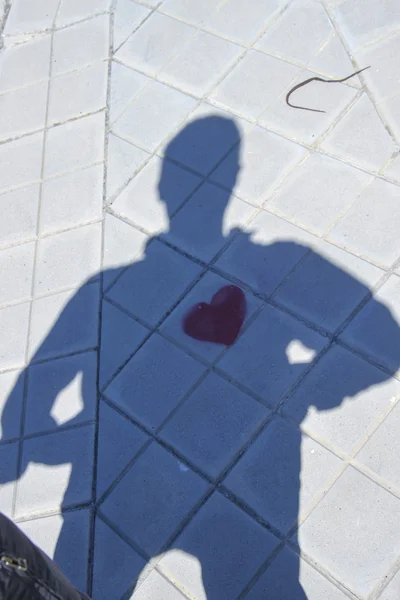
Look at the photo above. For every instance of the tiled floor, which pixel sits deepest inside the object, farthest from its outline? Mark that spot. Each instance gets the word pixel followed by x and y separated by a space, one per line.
pixel 147 159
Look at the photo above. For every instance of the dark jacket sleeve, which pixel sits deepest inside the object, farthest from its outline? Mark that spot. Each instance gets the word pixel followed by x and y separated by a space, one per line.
pixel 27 573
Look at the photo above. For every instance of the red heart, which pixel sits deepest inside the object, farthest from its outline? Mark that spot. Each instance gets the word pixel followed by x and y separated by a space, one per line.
pixel 221 320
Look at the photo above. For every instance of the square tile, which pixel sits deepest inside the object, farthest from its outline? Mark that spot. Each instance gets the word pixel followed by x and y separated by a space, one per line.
pixel 23 111
pixel 287 37
pixel 19 214
pixel 203 291
pixel 265 252
pixel 360 137
pixel 202 62
pixel 75 10
pixel 14 322
pixel 233 20
pixel 268 357
pixel 356 541
pixel 264 160
pixel 72 199
pixel 155 194
pixel 290 577
pixel 90 91
pixel 30 15
pixel 153 116
pixel 21 161
pixel 370 227
pixel 8 476
pixel 154 381
pixel 381 78
pixel 208 221
pixel 156 587
pixel 65 323
pixel 123 245
pixel 81 44
pixel 318 192
pixel 153 44
pixel 161 277
pixel 126 84
pixel 16 268
pixel 201 551
pixel 378 454
pixel 112 554
pixel 304 126
pixel 66 539
pixel 360 25
pixel 206 139
pixel 375 330
pixel 327 286
pixel 56 471
pixel 254 83
pixel 123 161
pixel 11 392
pixel 74 145
pixel 61 392
pixel 128 16
pixel 68 259
pixel 120 337
pixel 213 425
pixel 165 494
pixel 267 477
pixel 26 63
pixel 119 442
pixel 341 398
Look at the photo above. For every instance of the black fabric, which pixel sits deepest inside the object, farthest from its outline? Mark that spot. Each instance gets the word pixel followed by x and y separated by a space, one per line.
pixel 40 580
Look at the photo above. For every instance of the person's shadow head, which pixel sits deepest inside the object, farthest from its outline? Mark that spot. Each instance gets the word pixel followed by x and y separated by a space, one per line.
pixel 201 147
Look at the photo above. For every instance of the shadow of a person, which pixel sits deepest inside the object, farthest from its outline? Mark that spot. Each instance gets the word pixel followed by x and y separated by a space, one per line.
pixel 268 359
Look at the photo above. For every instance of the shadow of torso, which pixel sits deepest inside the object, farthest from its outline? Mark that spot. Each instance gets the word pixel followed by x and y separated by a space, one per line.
pixel 225 543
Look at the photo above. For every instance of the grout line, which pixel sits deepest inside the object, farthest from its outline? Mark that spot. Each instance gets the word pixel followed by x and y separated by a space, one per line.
pixel 378 40
pixel 26 36
pixel 301 556
pixel 116 49
pixel 54 292
pixel 174 584
pixel 44 79
pixel 91 555
pixel 123 536
pixel 40 514
pixel 48 128
pixel 264 566
pixel 25 373
pixel 153 9
pixel 349 593
pixel 343 113
pixel 59 429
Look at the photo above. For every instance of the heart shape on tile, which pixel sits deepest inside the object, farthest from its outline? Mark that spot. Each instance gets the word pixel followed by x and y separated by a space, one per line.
pixel 221 320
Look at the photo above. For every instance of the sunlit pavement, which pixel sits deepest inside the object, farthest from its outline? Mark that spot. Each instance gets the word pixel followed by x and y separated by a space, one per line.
pixel 148 158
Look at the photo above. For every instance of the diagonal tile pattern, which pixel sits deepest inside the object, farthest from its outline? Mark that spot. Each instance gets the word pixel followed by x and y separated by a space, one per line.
pixel 147 159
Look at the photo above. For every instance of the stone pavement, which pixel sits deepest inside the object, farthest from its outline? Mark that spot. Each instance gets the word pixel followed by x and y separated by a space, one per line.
pixel 147 159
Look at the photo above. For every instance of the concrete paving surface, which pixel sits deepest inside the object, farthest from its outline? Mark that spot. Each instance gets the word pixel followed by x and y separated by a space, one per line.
pixel 148 158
